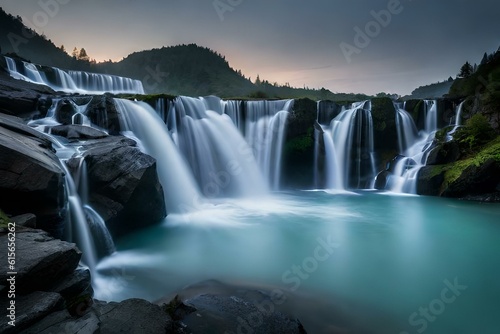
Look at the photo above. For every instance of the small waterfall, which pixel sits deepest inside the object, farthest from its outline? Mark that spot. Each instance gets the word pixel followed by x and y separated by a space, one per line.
pixel 413 146
pixel 179 186
pixel 221 161
pixel 73 81
pixel 234 110
pixel 79 231
pixel 430 116
pixel 458 119
pixel 349 147
pixel 265 133
pixel 407 130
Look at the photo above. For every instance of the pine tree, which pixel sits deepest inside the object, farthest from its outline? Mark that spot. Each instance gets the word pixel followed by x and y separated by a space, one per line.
pixel 74 54
pixel 466 70
pixel 83 55
pixel 485 59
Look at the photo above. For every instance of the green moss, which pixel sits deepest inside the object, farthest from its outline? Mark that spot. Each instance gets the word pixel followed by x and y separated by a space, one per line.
pixel 4 220
pixel 300 144
pixel 489 151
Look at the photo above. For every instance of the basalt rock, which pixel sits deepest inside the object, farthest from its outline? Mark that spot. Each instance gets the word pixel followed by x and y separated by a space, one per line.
pixel 123 184
pixel 31 179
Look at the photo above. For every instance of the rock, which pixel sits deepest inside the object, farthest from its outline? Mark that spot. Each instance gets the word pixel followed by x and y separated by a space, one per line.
pixel 40 260
pixel 327 110
pixel 65 111
pixel 29 309
pixel 476 180
pixel 20 98
pixel 382 179
pixel 133 316
pixel 102 112
pixel 385 133
pixel 444 153
pixel 430 180
pixel 31 179
pixel 123 184
pixel 216 307
pixel 77 132
pixel 62 322
pixel 222 314
pixel 25 220
pixel 76 289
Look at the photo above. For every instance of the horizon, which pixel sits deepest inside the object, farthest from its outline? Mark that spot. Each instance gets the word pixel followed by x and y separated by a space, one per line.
pixel 382 49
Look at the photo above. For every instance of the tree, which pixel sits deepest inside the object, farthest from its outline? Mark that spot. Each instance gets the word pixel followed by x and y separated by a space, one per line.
pixel 63 49
pixel 485 59
pixel 83 55
pixel 466 70
pixel 74 54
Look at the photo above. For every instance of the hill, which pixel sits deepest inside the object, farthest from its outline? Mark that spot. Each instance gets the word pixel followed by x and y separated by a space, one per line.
pixel 178 70
pixel 432 91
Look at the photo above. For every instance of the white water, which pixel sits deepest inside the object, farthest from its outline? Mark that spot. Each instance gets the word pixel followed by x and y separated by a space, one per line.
pixel 220 159
pixel 341 143
pixel 458 119
pixel 405 176
pixel 265 133
pixel 180 189
pixel 74 81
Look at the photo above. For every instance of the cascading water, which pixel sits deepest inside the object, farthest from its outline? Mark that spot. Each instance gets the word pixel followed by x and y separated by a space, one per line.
pixel 458 119
pixel 349 147
pixel 407 130
pixel 220 159
pixel 430 116
pixel 413 147
pixel 173 172
pixel 265 133
pixel 73 81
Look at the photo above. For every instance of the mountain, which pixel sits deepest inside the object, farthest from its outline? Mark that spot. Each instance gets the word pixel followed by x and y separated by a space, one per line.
pixel 432 91
pixel 178 70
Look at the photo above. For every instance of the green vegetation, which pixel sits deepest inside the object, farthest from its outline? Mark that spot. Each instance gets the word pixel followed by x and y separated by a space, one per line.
pixel 300 144
pixel 4 220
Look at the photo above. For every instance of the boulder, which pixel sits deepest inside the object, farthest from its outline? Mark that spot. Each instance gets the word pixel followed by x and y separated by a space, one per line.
pixel 40 260
pixel 475 180
pixel 20 98
pixel 77 132
pixel 29 309
pixel 31 178
pixel 430 180
pixel 123 184
pixel 102 112
pixel 129 316
pixel 444 153
pixel 65 110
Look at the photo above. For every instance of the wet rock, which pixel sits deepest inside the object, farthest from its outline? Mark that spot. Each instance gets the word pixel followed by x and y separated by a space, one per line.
pixel 77 132
pixel 123 184
pixel 29 309
pixel 31 179
pixel 40 260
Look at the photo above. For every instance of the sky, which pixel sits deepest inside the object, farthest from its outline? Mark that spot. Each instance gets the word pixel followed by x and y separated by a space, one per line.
pixel 360 46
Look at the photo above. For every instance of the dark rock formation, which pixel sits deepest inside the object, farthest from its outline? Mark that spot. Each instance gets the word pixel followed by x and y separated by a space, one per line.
pixel 102 112
pixel 31 179
pixel 77 132
pixel 123 184
pixel 21 98
pixel 430 180
pixel 65 110
pixel 475 180
pixel 444 153
pixel 40 260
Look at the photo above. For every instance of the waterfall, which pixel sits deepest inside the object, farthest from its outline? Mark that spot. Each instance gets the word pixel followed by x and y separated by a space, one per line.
pixel 458 119
pixel 265 133
pixel 349 147
pixel 179 186
pixel 221 161
pixel 234 110
pixel 414 146
pixel 73 81
pixel 407 130
pixel 430 112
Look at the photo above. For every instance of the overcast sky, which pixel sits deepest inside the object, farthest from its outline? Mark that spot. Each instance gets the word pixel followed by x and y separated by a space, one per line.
pixel 295 41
